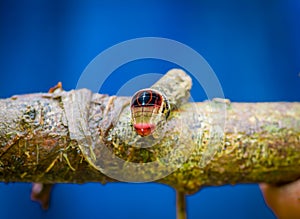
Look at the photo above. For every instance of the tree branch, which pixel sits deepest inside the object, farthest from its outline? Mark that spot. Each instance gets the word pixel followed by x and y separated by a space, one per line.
pixel 78 137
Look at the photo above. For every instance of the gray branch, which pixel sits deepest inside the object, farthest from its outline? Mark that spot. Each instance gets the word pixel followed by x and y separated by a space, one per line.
pixel 79 136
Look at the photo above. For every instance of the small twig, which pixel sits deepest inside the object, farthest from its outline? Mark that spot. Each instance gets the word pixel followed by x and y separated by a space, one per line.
pixel 41 193
pixel 180 205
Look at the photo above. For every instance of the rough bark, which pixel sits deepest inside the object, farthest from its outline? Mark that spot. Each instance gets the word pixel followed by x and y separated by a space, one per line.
pixel 44 138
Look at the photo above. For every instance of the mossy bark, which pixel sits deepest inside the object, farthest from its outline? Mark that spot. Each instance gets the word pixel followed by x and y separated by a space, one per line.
pixel 258 142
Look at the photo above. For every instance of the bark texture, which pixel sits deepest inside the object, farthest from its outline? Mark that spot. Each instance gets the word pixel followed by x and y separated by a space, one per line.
pixel 78 137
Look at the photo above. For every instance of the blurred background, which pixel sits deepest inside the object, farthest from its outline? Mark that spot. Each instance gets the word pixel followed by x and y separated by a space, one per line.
pixel 253 47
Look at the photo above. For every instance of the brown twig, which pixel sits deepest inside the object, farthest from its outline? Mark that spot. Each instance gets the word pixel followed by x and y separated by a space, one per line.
pixel 181 205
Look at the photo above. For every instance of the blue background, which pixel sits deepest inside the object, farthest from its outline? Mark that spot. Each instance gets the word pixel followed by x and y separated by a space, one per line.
pixel 253 47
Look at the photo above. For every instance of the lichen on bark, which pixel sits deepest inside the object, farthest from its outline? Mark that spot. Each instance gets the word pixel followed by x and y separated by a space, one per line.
pixel 68 137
